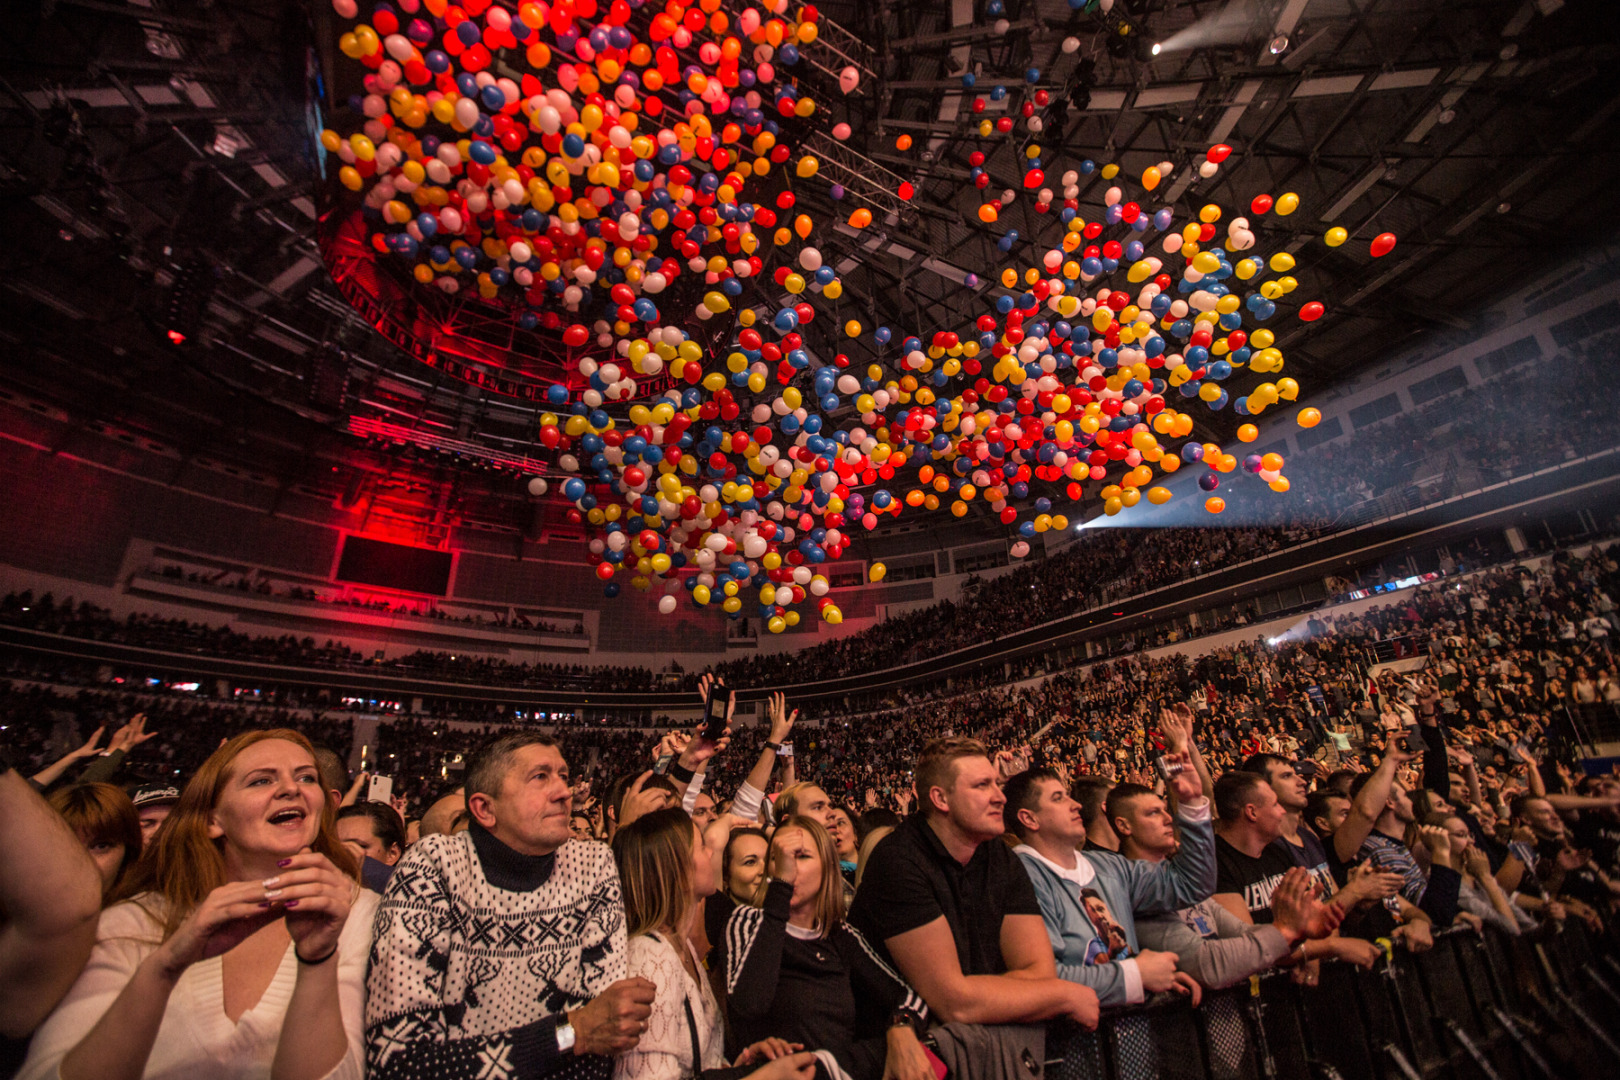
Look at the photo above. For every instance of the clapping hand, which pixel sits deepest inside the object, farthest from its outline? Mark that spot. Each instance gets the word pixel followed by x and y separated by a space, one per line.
pixel 321 894
pixel 1176 725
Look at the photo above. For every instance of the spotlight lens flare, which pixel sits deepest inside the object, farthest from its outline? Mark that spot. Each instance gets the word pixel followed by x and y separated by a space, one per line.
pixel 1157 48
pixel 1279 44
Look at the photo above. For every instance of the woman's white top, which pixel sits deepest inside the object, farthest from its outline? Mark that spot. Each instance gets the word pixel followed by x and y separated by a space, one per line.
pixel 196 1040
pixel 665 1049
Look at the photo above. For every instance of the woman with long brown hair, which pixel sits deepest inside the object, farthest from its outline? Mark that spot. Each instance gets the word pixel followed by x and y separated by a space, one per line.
pixel 667 871
pixel 242 921
pixel 796 970
pixel 105 821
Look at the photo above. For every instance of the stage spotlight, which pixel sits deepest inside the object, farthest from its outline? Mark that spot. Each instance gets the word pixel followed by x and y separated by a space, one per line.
pixel 1157 48
pixel 1279 44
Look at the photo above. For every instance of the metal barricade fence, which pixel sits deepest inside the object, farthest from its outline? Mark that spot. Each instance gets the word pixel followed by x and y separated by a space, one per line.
pixel 1541 1006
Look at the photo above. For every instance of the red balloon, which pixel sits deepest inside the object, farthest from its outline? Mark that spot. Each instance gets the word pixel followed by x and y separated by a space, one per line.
pixel 1219 153
pixel 1261 204
pixel 1312 311
pixel 604 570
pixel 1383 244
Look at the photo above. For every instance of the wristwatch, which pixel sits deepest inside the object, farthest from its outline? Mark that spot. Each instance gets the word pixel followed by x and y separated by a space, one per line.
pixel 905 1018
pixel 565 1037
pixel 774 747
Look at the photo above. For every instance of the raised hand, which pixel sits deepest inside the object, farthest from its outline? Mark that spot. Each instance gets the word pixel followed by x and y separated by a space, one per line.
pixel 1185 784
pixel 1438 841
pixel 91 747
pixel 784 867
pixel 1176 725
pixel 781 721
pixel 131 734
pixel 639 800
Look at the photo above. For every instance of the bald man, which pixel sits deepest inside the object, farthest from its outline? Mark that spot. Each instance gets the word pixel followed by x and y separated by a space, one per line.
pixel 441 816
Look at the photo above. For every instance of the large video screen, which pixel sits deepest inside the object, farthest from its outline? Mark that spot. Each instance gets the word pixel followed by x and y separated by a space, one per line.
pixel 394 566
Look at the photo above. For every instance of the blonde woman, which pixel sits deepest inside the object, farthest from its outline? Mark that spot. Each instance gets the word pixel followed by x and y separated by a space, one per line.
pixel 667 872
pixel 795 970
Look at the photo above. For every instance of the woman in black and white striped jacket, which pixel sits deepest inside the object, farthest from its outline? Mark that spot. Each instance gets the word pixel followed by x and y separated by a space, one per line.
pixel 795 970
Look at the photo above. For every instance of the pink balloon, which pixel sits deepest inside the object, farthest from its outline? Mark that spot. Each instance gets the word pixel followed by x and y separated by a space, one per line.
pixel 841 132
pixel 748 21
pixel 849 79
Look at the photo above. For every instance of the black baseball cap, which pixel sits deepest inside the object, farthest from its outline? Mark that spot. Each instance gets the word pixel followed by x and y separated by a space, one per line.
pixel 155 795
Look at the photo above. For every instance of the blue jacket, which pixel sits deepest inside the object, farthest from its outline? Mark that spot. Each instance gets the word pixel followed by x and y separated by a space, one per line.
pixel 1129 887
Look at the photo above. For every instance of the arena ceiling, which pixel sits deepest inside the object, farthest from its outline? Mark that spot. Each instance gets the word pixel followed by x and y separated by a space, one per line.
pixel 158 167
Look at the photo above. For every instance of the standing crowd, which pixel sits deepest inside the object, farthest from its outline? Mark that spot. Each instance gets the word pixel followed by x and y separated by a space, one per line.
pixel 682 917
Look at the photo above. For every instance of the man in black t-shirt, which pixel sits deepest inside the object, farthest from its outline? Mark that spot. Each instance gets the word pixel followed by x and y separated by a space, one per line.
pixel 1299 843
pixel 1249 862
pixel 952 907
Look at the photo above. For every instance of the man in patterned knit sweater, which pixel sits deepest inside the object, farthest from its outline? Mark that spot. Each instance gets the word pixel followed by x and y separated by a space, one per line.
pixel 499 953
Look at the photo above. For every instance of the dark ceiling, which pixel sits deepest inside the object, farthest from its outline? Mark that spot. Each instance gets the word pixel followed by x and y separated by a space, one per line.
pixel 181 183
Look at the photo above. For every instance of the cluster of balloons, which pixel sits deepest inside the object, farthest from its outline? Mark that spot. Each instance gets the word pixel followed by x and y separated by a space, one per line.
pixel 640 151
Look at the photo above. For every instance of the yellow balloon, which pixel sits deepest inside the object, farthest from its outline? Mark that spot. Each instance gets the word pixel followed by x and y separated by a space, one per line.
pixel 876 571
pixel 1287 203
pixel 1336 236
pixel 1158 496
pixel 1309 418
pixel 807 167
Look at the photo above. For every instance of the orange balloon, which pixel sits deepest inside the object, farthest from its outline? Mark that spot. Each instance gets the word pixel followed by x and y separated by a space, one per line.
pixel 1214 504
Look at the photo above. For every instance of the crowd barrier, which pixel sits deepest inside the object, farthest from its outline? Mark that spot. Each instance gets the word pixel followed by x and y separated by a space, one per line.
pixel 1543 1006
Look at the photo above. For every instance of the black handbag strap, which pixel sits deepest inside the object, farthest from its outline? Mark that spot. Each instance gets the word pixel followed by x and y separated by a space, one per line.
pixel 692 1030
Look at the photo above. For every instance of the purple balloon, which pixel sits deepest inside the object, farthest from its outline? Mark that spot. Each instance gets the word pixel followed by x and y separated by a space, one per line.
pixel 837 191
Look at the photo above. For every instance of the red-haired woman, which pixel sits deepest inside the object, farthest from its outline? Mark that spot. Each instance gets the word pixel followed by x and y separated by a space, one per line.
pixel 105 821
pixel 244 922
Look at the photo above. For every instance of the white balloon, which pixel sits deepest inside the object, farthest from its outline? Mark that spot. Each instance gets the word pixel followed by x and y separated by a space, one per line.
pixel 666 604
pixel 537 486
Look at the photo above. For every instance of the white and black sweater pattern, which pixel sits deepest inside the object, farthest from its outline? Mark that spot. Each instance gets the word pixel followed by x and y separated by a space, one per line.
pixel 469 979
